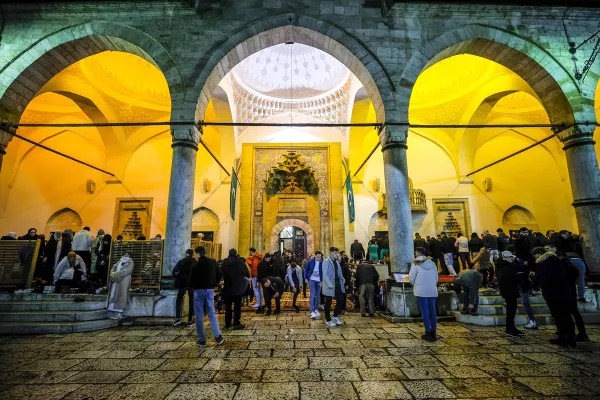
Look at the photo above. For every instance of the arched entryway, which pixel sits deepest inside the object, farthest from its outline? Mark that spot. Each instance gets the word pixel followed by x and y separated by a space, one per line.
pixel 292 238
pixel 298 225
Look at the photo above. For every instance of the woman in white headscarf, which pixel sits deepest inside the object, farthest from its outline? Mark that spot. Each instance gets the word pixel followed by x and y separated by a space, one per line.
pixel 96 248
pixel 120 283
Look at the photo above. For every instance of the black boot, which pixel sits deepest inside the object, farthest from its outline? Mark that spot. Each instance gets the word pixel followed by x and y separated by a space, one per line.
pixel 434 335
pixel 427 337
pixel 268 312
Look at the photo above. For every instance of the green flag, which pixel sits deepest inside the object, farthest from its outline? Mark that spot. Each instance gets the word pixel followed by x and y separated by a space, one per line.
pixel 233 193
pixel 350 196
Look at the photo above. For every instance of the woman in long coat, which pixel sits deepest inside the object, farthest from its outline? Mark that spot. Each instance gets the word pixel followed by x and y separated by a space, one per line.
pixel 120 283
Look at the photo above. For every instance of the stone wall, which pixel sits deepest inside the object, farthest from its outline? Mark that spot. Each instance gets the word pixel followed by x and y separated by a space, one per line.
pixel 393 49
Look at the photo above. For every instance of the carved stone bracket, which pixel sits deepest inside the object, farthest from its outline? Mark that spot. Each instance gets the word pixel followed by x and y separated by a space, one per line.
pixel 188 136
pixel 393 136
pixel 577 136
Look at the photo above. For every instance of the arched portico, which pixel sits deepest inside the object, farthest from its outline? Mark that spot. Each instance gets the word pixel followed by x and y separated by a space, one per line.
pixel 310 234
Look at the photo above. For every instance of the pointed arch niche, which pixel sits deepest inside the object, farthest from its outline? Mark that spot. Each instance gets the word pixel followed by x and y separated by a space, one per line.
pixel 63 219
pixel 205 220
pixel 516 217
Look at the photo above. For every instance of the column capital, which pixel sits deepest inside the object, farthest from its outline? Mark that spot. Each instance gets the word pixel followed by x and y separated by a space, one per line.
pixel 186 135
pixel 578 135
pixel 393 136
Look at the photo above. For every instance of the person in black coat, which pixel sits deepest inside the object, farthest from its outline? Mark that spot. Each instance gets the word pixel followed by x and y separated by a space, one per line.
pixel 181 273
pixel 510 273
pixel 357 251
pixel 475 244
pixel 551 276
pixel 448 252
pixel 503 240
pixel 236 278
pixel 274 287
pixel 523 249
pixel 278 268
pixel 435 248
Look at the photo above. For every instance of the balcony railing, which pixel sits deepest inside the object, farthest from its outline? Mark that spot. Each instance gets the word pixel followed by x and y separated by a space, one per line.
pixel 417 200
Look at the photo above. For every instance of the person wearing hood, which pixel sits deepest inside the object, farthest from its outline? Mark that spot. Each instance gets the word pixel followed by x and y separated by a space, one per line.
pixel 550 274
pixel 253 261
pixel 510 274
pixel 120 283
pixel 95 244
pixel 31 235
pixel 367 279
pixel 424 277
pixel 181 273
pixel 470 281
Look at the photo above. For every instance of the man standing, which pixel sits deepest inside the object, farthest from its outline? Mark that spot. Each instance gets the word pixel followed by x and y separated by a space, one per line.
pixel 462 245
pixel 435 247
pixel 503 240
pixel 419 241
pixel 313 275
pixel 523 253
pixel 181 273
pixel 510 275
pixel 253 261
pixel 333 286
pixel 205 275
pixel 357 251
pixel 82 245
pixel 491 242
pixel 235 277
pixel 367 279
pixel 447 251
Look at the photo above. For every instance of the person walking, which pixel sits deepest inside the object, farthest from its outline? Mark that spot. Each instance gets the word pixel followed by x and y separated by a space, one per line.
pixel 423 276
pixel 253 261
pixel 295 280
pixel 274 288
pixel 181 273
pixel 462 246
pixel 357 251
pixel 447 251
pixel 552 278
pixel 510 273
pixel 485 265
pixel 367 279
pixel 470 281
pixel 333 286
pixel 235 282
pixel 204 276
pixel 313 274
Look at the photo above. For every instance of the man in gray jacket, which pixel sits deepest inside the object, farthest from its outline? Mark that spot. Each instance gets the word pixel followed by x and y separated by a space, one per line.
pixel 333 286
pixel 470 280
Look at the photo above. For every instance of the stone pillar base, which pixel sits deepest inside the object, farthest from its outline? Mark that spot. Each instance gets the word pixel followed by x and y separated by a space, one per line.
pixel 162 305
pixel 404 303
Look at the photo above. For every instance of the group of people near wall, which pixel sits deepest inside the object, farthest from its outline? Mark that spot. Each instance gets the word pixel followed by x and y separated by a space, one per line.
pixel 524 267
pixel 377 250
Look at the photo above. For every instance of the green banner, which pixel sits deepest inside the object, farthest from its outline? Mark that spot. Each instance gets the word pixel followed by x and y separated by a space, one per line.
pixel 350 196
pixel 233 193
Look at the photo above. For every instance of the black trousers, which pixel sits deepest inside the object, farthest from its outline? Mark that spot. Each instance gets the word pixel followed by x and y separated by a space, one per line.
pixel 339 300
pixel 180 293
pixel 561 313
pixel 440 258
pixel 235 303
pixel 304 288
pixel 511 311
pixel 577 317
pixel 465 259
pixel 487 274
pixel 269 294
pixel 63 286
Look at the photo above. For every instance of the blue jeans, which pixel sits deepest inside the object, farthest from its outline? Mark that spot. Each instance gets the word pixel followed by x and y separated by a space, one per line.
pixel 202 297
pixel 527 304
pixel 580 265
pixel 427 306
pixel 467 298
pixel 315 295
pixel 257 293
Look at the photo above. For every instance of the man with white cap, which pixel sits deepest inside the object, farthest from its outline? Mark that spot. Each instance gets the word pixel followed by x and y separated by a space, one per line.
pixel 510 274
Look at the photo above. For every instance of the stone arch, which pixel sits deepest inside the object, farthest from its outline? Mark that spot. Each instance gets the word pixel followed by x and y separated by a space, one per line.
pixel 35 66
pixel 205 219
pixel 517 216
pixel 310 234
pixel 556 88
pixel 272 30
pixel 63 219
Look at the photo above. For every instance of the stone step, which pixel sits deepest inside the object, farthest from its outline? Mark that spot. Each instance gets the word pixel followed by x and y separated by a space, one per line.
pixel 520 319
pixel 539 299
pixel 18 306
pixel 540 308
pixel 53 316
pixel 11 297
pixel 35 328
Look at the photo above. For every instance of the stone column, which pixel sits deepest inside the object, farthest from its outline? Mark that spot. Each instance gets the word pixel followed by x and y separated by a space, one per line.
pixel 585 185
pixel 5 137
pixel 181 195
pixel 395 169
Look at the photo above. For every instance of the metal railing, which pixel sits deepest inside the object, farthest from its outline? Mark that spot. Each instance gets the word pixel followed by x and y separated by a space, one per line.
pixel 417 200
pixel 18 259
pixel 147 256
pixel 213 250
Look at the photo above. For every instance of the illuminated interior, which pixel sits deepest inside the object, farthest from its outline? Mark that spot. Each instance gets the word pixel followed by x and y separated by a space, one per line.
pixel 116 86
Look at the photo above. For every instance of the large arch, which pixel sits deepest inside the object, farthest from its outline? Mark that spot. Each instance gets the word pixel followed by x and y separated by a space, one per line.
pixel 557 89
pixel 310 233
pixel 33 68
pixel 290 27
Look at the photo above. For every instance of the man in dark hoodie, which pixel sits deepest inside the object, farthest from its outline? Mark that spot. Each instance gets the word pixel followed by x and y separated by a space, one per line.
pixel 265 268
pixel 274 287
pixel 181 273
pixel 550 274
pixel 491 242
pixel 236 280
pixel 503 241
pixel 510 274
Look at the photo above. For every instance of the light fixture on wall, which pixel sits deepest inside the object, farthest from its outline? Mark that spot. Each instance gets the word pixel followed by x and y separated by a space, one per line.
pixel 91 186
pixel 487 184
pixel 376 185
pixel 205 185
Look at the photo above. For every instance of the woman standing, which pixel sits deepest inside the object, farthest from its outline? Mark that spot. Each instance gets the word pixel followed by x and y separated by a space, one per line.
pixel 424 277
pixel 120 282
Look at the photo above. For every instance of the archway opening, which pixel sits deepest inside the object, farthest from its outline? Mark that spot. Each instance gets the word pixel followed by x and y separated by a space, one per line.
pixel 293 239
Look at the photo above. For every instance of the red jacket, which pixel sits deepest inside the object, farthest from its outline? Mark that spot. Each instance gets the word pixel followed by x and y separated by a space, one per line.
pixel 253 262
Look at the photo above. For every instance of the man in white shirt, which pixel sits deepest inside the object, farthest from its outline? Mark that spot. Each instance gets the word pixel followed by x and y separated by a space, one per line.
pixel 82 245
pixel 70 271
pixel 462 244
pixel 312 273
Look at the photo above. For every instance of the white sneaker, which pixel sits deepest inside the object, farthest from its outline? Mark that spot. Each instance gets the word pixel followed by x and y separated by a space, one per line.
pixel 317 313
pixel 330 324
pixel 337 321
pixel 531 325
pixel 256 305
pixel 321 308
pixel 313 315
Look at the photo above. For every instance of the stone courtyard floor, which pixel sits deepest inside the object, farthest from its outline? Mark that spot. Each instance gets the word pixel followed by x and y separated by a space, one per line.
pixel 289 357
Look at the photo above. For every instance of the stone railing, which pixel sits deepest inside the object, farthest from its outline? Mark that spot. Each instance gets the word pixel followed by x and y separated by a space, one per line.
pixel 417 200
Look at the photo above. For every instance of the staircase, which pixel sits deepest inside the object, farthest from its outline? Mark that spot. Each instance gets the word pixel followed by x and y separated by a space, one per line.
pixel 53 313
pixel 492 311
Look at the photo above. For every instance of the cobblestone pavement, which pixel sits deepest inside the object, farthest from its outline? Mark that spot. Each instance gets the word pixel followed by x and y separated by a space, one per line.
pixel 289 357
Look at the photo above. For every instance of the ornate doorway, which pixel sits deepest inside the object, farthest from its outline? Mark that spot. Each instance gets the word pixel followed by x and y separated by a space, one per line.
pixel 292 227
pixel 293 239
